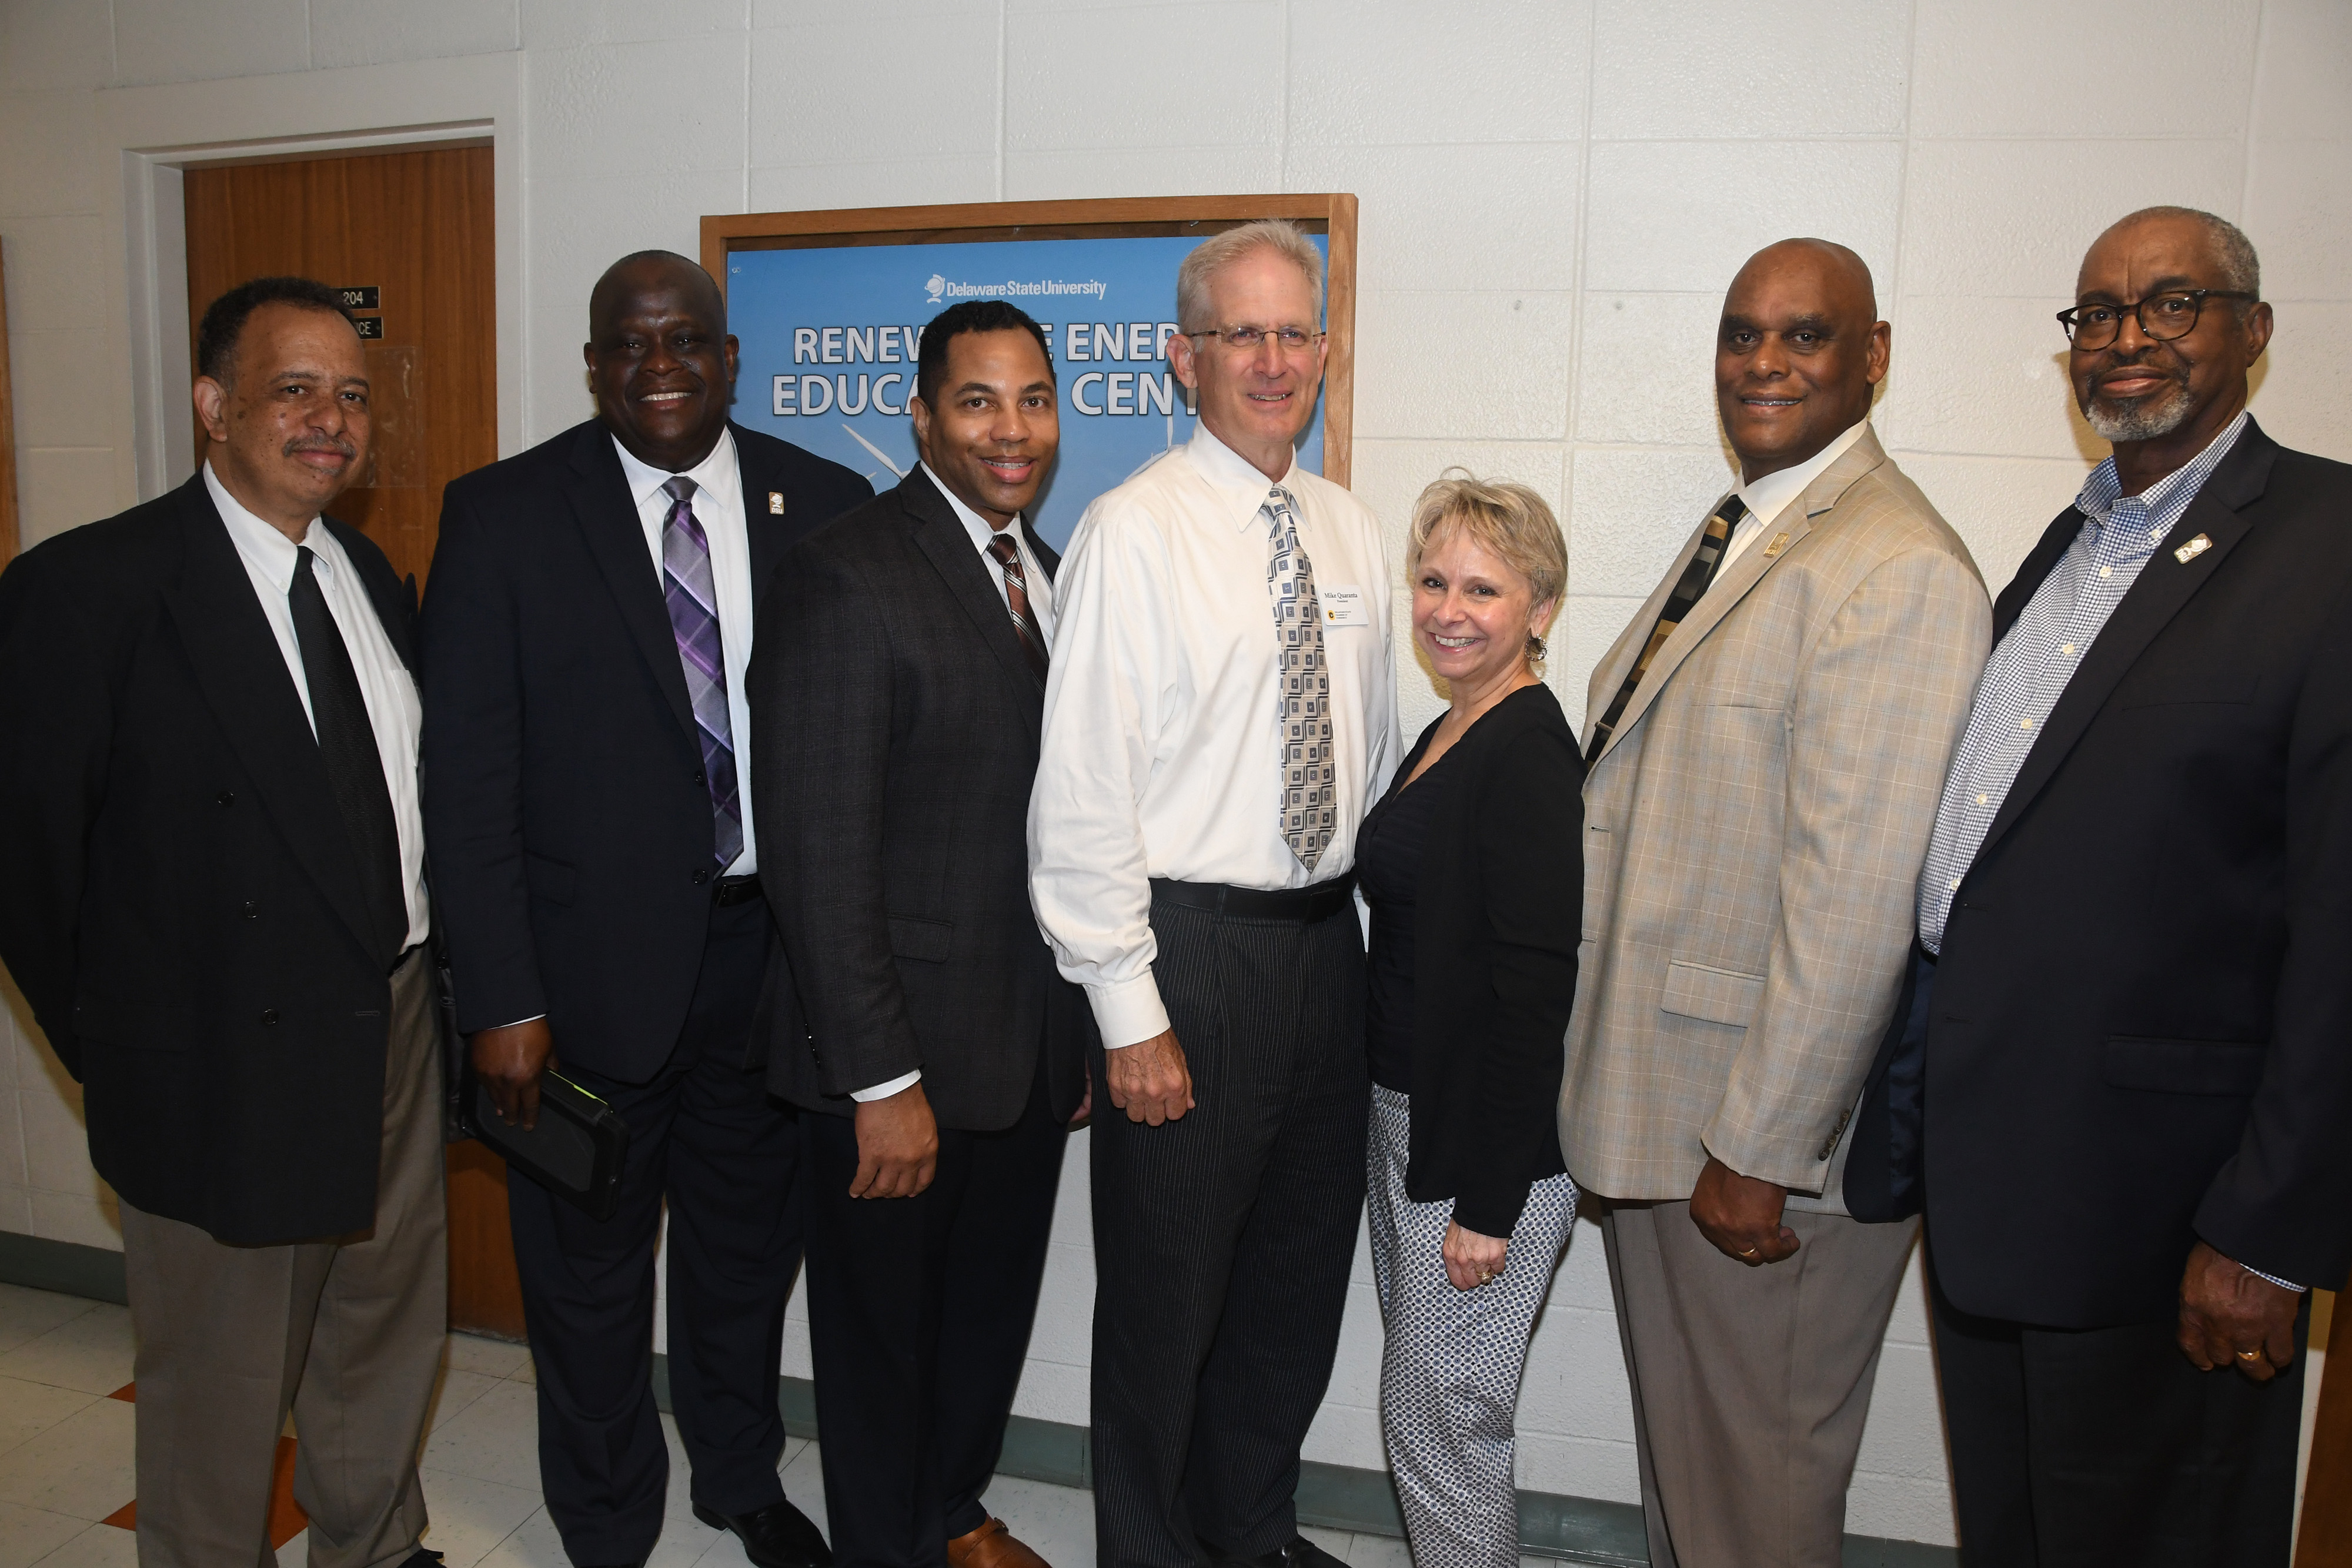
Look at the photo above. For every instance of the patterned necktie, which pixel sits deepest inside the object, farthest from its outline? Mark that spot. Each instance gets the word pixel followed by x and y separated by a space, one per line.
pixel 1695 580
pixel 693 602
pixel 1016 599
pixel 354 766
pixel 1310 792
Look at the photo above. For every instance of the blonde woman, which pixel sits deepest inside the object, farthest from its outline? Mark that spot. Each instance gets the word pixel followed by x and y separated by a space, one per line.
pixel 1472 866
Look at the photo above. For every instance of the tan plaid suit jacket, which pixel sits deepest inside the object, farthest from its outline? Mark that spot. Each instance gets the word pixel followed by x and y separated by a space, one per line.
pixel 1754 833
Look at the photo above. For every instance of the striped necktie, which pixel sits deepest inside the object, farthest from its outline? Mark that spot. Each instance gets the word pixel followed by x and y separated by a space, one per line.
pixel 1016 599
pixel 693 601
pixel 1695 580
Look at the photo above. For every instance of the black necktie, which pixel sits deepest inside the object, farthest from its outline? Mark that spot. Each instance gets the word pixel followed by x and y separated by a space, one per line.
pixel 1697 578
pixel 354 768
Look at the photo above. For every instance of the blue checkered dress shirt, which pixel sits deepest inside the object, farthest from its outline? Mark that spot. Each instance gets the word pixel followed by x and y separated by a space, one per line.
pixel 2029 667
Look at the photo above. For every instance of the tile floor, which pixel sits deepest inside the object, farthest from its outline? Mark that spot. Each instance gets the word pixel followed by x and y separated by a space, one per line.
pixel 66 1461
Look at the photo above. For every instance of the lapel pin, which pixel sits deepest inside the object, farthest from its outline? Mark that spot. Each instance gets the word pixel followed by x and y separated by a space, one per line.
pixel 2192 550
pixel 1780 542
pixel 775 503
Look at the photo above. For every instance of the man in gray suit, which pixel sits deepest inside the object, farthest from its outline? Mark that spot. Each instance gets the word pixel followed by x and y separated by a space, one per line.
pixel 1766 744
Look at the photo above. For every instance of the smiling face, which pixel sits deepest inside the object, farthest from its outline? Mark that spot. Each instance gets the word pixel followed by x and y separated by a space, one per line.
pixel 1472 612
pixel 660 360
pixel 1797 352
pixel 289 428
pixel 2181 391
pixel 992 436
pixel 1255 401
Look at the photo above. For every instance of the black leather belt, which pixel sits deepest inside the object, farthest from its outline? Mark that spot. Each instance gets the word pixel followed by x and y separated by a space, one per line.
pixel 734 889
pixel 1303 905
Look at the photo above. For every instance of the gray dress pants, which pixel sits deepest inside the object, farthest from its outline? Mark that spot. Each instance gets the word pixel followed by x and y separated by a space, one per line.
pixel 346 1334
pixel 1750 1384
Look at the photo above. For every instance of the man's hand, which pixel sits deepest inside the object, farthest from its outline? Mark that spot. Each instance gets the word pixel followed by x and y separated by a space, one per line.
pixel 898 1145
pixel 2226 1313
pixel 1472 1260
pixel 1741 1215
pixel 1149 1080
pixel 1086 1110
pixel 509 1060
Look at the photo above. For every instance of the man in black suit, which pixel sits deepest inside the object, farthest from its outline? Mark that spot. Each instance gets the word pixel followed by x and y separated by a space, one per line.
pixel 585 640
pixel 899 689
pixel 2120 1080
pixel 212 893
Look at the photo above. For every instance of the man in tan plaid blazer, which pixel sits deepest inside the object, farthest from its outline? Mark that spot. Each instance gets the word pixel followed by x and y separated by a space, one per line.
pixel 1766 743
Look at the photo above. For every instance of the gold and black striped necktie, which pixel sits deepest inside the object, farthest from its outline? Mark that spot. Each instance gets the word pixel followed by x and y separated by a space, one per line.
pixel 1695 580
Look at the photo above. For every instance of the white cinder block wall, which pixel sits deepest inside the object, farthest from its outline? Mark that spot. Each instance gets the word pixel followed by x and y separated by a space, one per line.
pixel 1555 193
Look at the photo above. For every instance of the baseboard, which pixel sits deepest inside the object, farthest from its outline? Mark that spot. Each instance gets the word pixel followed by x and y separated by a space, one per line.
pixel 1341 1497
pixel 68 1267
pixel 1334 1497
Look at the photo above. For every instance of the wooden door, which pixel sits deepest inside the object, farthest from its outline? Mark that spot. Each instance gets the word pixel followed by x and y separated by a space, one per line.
pixel 416 228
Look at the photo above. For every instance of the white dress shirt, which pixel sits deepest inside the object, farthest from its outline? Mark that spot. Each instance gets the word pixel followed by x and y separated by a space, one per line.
pixel 1162 753
pixel 1768 498
pixel 387 688
pixel 1034 582
pixel 719 508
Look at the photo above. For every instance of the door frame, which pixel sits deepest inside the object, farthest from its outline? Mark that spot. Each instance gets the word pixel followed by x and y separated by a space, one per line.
pixel 153 134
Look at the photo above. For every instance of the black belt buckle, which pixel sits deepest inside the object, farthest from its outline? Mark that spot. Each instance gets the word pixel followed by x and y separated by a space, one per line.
pixel 731 891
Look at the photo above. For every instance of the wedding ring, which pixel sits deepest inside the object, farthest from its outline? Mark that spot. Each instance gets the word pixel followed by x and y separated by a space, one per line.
pixel 2248 1355
pixel 1749 1253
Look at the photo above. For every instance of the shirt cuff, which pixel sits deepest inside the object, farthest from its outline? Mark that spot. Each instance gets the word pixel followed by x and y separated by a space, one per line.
pixel 1128 1012
pixel 884 1090
pixel 2273 1278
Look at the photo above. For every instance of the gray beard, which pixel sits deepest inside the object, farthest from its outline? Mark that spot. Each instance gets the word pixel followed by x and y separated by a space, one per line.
pixel 2143 421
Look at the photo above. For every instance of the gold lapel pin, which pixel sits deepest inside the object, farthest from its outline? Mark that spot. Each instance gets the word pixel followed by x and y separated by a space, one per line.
pixel 775 503
pixel 2192 550
pixel 1780 542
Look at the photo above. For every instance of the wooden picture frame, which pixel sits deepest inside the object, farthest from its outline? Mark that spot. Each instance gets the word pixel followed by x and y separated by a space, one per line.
pixel 1329 213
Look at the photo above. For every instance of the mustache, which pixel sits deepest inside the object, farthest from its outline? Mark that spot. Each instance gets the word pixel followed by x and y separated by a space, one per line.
pixel 2152 357
pixel 335 444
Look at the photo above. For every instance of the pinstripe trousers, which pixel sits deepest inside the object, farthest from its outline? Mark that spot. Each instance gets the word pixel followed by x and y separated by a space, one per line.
pixel 1223 1240
pixel 1449 1369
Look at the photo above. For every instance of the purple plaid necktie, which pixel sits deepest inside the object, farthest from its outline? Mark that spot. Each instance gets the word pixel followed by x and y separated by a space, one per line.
pixel 693 619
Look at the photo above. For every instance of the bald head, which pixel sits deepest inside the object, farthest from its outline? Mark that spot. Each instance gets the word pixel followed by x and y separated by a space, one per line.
pixel 1799 349
pixel 659 357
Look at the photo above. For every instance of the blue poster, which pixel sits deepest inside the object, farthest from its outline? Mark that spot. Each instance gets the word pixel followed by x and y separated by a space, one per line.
pixel 829 339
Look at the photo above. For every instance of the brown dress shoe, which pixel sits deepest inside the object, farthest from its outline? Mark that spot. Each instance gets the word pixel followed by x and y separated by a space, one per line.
pixel 993 1546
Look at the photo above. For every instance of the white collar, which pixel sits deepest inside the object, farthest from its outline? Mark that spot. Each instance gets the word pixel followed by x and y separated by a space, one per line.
pixel 260 543
pixel 1768 498
pixel 1234 475
pixel 981 530
pixel 717 472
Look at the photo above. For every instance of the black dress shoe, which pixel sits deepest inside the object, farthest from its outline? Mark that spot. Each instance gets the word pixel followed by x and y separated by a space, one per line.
pixel 1300 1554
pixel 777 1536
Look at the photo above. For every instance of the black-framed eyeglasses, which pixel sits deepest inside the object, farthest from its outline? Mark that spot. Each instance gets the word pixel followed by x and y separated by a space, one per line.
pixel 2162 317
pixel 1293 340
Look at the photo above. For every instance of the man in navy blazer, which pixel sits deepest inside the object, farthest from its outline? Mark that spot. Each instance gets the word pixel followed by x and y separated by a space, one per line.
pixel 587 750
pixel 2120 1081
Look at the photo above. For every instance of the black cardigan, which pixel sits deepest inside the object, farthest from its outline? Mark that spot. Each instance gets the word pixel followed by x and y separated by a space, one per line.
pixel 1497 916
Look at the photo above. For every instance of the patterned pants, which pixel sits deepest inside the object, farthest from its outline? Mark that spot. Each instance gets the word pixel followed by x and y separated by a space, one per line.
pixel 1450 1374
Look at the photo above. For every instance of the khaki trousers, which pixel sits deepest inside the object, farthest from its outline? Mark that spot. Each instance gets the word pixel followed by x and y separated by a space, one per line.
pixel 346 1334
pixel 1750 1384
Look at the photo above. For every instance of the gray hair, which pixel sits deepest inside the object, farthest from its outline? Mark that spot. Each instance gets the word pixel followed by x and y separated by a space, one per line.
pixel 1220 250
pixel 2240 269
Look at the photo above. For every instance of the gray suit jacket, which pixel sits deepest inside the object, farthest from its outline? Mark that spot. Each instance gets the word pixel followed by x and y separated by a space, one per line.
pixel 1753 836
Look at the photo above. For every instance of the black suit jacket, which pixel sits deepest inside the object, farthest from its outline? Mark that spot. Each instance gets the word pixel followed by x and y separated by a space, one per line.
pixel 179 900
pixel 895 745
pixel 2140 1032
pixel 1497 918
pixel 568 821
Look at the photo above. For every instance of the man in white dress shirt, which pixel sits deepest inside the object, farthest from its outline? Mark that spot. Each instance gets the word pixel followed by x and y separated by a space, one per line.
pixel 1220 715
pixel 215 902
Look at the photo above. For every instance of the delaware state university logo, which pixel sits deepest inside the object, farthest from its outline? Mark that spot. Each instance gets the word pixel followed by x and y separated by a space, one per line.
pixel 936 285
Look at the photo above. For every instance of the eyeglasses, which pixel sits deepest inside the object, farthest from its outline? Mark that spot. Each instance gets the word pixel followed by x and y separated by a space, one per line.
pixel 2162 317
pixel 1294 340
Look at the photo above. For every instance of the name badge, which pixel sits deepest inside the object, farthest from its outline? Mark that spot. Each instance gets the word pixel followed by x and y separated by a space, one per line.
pixel 1343 605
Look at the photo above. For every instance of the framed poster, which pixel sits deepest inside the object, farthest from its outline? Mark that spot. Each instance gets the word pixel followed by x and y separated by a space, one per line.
pixel 828 308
